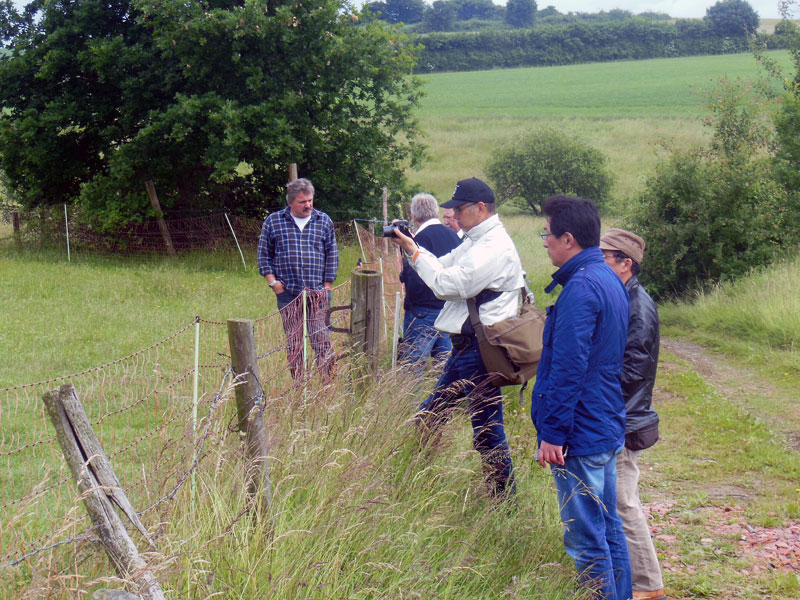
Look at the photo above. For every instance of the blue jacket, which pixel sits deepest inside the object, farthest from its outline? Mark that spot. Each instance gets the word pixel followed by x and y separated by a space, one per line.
pixel 577 400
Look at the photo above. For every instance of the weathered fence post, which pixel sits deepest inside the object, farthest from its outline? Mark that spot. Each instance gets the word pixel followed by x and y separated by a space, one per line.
pixel 100 489
pixel 385 202
pixel 365 321
pixel 292 171
pixel 162 225
pixel 250 407
pixel 15 222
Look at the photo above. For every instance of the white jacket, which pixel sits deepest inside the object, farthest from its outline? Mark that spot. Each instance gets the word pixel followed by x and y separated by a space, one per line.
pixel 486 259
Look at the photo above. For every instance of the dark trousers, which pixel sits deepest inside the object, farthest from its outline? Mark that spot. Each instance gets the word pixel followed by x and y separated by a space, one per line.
pixel 291 309
pixel 465 376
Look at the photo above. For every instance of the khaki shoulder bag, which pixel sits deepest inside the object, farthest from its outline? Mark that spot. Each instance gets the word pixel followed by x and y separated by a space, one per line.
pixel 510 349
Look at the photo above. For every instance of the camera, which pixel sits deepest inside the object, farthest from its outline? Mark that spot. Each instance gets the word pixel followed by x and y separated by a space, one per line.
pixel 401 226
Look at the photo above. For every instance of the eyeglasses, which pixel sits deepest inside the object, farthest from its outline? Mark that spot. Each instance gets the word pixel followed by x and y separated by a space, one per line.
pixel 546 235
pixel 459 209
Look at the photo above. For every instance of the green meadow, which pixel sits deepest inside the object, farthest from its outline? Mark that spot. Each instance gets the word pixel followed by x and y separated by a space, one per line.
pixel 628 110
pixel 361 509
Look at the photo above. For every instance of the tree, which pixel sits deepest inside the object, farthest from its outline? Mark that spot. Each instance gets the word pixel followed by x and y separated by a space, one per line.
pixel 440 16
pixel 403 11
pixel 544 162
pixel 521 13
pixel 732 18
pixel 548 11
pixel 474 9
pixel 211 100
pixel 713 214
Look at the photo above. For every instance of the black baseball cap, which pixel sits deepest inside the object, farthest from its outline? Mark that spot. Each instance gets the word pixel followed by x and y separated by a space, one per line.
pixel 470 190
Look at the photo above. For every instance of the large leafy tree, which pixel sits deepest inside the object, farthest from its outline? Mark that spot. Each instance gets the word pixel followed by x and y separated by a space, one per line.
pixel 441 16
pixel 521 13
pixel 732 17
pixel 210 99
pixel 399 11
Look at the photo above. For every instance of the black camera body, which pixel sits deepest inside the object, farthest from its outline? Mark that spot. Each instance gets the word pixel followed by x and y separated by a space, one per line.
pixel 401 226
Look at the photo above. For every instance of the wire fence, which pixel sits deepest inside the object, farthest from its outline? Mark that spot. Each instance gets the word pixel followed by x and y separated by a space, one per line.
pixel 154 427
pixel 205 233
pixel 160 411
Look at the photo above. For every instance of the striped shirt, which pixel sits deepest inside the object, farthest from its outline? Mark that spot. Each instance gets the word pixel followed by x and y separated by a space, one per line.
pixel 299 259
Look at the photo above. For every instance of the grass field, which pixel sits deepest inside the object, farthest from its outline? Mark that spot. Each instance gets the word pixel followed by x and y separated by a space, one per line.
pixel 359 511
pixel 625 109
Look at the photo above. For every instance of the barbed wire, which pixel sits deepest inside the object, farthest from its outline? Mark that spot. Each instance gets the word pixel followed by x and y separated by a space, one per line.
pixel 129 385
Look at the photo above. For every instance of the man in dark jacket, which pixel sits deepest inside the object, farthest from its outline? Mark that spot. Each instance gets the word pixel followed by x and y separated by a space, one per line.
pixel 623 252
pixel 577 404
pixel 420 338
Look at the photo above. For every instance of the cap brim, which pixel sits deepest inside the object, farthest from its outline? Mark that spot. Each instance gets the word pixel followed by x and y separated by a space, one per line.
pixel 453 203
pixel 606 246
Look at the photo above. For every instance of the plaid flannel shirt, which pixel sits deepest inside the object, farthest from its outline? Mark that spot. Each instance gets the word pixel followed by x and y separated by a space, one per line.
pixel 299 259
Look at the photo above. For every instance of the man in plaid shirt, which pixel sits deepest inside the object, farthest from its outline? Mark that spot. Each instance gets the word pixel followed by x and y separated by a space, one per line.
pixel 297 251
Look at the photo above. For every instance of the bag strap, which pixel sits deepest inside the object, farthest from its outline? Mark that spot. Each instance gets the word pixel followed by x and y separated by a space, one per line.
pixel 474 316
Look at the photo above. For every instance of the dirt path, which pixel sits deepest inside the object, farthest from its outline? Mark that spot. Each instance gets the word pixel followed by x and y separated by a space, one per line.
pixel 764 548
pixel 778 408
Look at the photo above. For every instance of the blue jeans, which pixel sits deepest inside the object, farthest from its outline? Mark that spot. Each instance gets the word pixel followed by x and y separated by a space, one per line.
pixel 465 376
pixel 593 536
pixel 421 339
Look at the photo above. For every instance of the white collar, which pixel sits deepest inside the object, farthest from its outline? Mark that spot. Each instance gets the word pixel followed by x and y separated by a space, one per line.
pixel 428 223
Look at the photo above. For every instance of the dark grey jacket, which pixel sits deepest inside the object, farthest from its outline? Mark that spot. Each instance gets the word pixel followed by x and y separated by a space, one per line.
pixel 639 366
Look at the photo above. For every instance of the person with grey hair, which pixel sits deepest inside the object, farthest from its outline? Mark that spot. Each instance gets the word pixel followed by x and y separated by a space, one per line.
pixel 420 338
pixel 297 252
pixel 484 267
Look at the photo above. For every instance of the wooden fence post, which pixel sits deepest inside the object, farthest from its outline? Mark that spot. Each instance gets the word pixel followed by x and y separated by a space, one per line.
pixel 162 225
pixel 15 221
pixel 365 320
pixel 385 203
pixel 250 407
pixel 292 171
pixel 100 489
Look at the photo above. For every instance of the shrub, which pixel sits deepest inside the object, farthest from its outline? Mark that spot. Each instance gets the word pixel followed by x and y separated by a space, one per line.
pixel 546 161
pixel 712 214
pixel 732 17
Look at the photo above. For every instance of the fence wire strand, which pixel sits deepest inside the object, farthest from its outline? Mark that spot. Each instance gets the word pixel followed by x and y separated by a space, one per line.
pixel 141 409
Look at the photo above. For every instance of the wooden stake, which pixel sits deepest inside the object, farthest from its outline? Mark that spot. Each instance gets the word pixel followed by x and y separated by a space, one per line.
pixel 100 489
pixel 250 407
pixel 366 315
pixel 162 225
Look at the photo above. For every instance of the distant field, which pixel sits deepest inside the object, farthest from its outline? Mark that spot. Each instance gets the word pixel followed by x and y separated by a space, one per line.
pixel 623 108
pixel 768 25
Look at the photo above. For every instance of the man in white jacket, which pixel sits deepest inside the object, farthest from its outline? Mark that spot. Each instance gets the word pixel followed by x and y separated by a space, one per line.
pixel 485 266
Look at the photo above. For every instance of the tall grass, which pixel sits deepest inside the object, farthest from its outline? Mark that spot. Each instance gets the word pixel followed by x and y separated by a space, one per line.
pixel 756 318
pixel 362 511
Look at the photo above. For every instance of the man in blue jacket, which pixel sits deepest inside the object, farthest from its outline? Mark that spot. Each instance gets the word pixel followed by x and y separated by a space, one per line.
pixel 577 406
